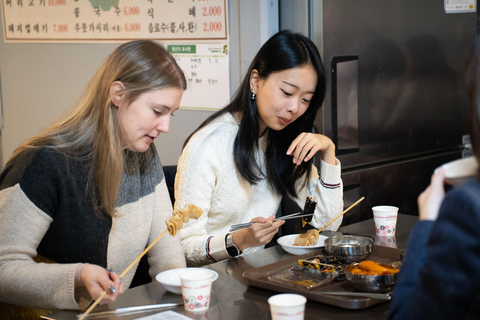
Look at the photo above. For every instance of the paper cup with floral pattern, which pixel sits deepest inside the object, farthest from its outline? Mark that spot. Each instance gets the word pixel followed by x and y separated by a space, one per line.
pixel 196 288
pixel 385 218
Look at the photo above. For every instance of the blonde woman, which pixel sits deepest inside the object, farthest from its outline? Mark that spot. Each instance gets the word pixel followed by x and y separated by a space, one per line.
pixel 87 195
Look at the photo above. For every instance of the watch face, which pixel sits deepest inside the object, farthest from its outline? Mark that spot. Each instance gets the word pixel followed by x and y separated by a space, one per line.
pixel 230 246
pixel 232 251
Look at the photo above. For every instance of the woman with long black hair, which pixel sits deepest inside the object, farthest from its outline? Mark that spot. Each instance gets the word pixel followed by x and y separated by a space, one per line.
pixel 243 159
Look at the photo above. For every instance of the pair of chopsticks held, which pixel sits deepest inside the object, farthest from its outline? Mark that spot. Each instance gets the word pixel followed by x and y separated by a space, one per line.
pixel 172 226
pixel 240 226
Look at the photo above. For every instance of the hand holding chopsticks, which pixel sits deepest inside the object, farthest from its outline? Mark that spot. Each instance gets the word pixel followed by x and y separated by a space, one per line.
pixel 240 226
pixel 173 224
pixel 236 227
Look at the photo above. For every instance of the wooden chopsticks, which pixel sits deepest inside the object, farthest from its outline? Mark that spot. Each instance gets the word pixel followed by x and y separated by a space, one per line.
pixel 104 293
pixel 341 214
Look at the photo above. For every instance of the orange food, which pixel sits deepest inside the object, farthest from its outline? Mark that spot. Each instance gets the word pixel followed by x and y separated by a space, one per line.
pixel 372 268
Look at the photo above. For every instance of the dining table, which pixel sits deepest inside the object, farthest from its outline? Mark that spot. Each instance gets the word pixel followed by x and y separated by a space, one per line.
pixel 232 297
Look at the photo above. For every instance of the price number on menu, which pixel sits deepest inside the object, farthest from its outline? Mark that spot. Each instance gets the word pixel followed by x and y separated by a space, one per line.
pixel 131 11
pixel 60 27
pixel 212 11
pixel 212 26
pixel 132 27
pixel 56 2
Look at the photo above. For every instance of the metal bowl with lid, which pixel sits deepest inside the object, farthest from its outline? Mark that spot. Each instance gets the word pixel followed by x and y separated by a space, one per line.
pixel 352 248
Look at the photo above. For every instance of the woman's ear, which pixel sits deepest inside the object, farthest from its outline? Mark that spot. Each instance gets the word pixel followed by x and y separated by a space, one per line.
pixel 254 80
pixel 115 92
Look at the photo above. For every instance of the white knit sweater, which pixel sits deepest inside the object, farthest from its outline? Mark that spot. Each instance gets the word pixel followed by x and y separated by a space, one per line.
pixel 207 177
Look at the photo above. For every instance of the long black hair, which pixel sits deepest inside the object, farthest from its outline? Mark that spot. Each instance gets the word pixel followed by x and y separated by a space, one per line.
pixel 285 50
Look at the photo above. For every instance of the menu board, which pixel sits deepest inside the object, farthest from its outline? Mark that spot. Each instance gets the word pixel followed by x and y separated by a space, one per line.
pixel 194 31
pixel 114 20
pixel 206 69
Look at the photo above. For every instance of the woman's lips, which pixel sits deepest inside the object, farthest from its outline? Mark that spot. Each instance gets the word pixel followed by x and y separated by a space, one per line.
pixel 284 121
pixel 150 138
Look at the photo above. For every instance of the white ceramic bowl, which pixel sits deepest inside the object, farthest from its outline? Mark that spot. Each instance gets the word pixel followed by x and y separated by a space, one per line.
pixel 287 244
pixel 459 171
pixel 170 279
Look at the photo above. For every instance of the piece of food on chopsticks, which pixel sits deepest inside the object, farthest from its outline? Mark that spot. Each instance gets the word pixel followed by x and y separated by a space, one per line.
pixel 309 208
pixel 182 216
pixel 309 238
pixel 372 268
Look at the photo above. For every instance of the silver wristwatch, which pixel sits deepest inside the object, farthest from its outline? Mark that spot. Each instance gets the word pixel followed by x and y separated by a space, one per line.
pixel 230 246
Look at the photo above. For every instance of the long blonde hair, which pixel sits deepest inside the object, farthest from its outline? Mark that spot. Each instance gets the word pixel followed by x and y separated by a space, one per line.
pixel 91 130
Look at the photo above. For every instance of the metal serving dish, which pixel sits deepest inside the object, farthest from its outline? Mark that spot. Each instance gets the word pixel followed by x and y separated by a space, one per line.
pixel 371 283
pixel 352 248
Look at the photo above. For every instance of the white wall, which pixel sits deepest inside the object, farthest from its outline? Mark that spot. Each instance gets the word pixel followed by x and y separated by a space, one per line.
pixel 41 81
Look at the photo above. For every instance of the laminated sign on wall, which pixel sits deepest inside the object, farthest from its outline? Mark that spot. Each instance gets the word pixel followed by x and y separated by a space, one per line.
pixel 195 32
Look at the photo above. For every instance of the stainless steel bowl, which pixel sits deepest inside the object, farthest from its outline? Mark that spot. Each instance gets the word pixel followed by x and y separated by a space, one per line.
pixel 352 248
pixel 370 283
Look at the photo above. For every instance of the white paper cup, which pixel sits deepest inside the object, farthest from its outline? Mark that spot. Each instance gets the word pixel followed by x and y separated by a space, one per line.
pixel 385 218
pixel 196 288
pixel 287 306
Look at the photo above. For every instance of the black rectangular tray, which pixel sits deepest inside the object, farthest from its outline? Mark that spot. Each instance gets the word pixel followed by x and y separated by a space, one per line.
pixel 259 277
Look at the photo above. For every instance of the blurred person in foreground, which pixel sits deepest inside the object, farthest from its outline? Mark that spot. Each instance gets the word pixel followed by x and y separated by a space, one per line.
pixel 86 196
pixel 440 273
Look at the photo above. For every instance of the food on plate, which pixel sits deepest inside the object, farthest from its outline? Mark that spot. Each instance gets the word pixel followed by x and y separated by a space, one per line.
pixel 309 238
pixel 180 216
pixel 325 266
pixel 372 268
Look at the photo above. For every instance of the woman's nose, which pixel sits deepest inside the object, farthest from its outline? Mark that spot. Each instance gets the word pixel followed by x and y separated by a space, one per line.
pixel 293 106
pixel 164 124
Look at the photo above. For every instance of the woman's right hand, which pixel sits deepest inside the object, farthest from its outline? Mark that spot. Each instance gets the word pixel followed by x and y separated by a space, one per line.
pixel 97 279
pixel 258 234
pixel 430 200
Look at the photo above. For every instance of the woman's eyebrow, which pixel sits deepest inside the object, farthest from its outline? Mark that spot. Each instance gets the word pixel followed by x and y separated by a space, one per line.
pixel 295 86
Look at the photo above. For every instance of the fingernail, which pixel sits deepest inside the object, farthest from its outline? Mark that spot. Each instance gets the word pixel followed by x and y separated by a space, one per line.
pixel 112 289
pixel 289 151
pixel 110 270
pixel 120 280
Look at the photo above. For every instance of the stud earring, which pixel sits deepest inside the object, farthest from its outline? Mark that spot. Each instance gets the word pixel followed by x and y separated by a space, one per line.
pixel 254 96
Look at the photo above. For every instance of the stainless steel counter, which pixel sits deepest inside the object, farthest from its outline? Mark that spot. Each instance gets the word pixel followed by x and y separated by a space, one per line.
pixel 233 299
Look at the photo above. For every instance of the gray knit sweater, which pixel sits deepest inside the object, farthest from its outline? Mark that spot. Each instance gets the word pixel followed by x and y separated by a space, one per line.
pixel 46 210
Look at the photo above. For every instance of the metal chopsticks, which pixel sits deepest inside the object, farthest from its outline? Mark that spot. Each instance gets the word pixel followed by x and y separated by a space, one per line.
pixel 236 227
pixel 128 310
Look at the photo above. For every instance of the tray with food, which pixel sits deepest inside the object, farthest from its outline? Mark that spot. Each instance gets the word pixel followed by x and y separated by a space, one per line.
pixel 332 278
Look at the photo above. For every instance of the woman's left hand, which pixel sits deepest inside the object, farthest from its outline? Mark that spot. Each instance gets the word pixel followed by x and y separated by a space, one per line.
pixel 430 200
pixel 307 144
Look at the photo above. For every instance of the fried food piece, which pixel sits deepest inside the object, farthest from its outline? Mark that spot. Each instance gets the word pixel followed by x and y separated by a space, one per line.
pixel 181 216
pixel 314 233
pixel 302 242
pixel 358 271
pixel 309 238
pixel 368 267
